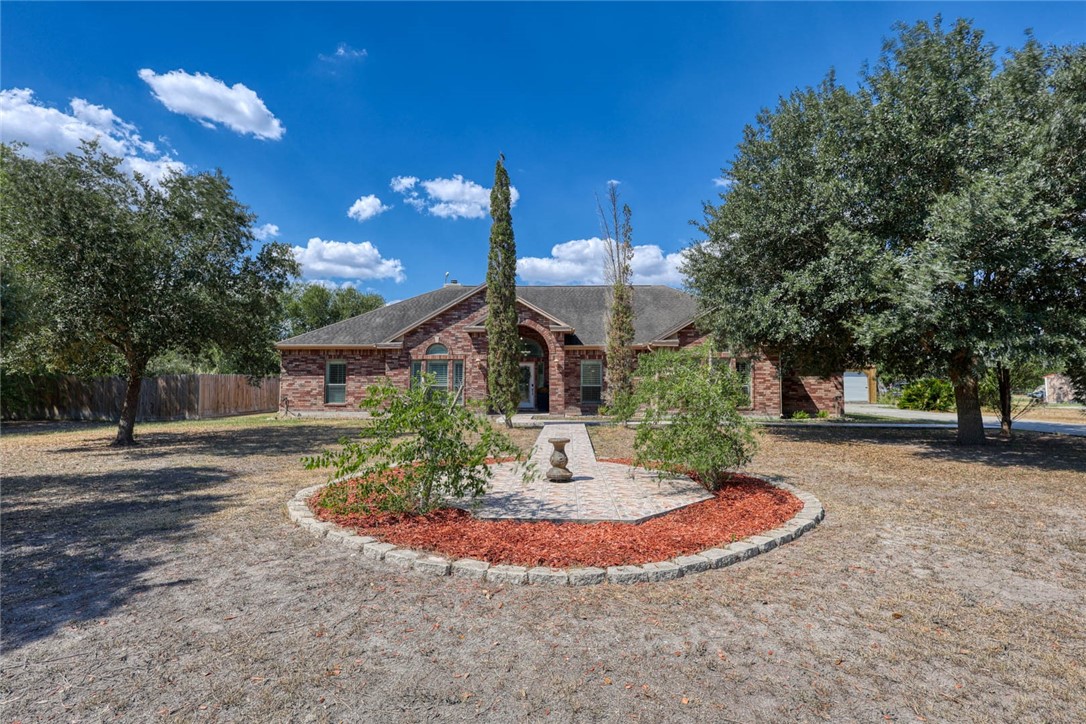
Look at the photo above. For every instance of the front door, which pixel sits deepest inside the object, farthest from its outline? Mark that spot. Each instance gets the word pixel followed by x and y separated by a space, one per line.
pixel 527 385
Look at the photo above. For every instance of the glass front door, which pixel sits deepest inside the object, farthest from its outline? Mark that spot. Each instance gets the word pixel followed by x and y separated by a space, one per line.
pixel 527 385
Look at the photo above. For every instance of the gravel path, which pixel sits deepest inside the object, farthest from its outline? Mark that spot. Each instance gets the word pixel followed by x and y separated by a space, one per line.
pixel 165 583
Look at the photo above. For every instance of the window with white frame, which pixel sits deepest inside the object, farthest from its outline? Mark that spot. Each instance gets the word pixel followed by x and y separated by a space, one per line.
pixel 335 382
pixel 591 381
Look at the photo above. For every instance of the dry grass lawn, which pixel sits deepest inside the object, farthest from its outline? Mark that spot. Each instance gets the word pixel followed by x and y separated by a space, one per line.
pixel 165 583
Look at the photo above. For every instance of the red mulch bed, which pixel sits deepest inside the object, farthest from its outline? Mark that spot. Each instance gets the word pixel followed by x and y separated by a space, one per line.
pixel 744 507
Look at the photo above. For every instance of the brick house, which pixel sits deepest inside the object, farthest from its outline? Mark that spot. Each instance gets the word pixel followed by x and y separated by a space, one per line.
pixel 563 359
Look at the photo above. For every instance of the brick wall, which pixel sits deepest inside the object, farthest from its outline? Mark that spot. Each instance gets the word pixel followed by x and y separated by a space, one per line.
pixel 571 373
pixel 813 394
pixel 448 328
pixel 301 387
pixel 302 371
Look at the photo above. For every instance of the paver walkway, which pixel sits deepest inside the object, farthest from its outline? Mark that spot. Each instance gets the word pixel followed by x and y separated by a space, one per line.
pixel 599 491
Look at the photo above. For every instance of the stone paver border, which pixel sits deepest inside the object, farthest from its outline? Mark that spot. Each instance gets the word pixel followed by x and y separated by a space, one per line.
pixel 428 563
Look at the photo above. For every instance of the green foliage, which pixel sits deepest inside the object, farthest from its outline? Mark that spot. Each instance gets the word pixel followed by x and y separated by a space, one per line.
pixel 1025 378
pixel 618 232
pixel 822 414
pixel 124 270
pixel 503 339
pixel 931 222
pixel 420 449
pixel 310 306
pixel 928 393
pixel 691 418
pixel 800 415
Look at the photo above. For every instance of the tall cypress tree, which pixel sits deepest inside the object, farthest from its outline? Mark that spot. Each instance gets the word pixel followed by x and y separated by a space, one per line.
pixel 618 231
pixel 503 341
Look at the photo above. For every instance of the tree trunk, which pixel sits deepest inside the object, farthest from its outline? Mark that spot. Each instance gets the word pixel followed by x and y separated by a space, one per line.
pixel 1003 376
pixel 128 410
pixel 967 400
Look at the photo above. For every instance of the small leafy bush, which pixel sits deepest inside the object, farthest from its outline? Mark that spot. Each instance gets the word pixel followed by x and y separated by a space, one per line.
pixel 691 418
pixel 801 415
pixel 622 407
pixel 419 449
pixel 822 414
pixel 929 393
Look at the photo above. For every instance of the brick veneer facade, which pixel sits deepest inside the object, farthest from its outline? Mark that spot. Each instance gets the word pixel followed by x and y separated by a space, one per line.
pixel 303 370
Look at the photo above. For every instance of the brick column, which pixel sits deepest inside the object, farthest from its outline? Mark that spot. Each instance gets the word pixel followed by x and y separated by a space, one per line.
pixel 556 362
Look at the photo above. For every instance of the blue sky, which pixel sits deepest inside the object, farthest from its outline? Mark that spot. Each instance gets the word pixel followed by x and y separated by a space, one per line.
pixel 398 111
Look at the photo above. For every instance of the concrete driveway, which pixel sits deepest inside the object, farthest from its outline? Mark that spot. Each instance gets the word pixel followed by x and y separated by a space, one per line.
pixel 990 421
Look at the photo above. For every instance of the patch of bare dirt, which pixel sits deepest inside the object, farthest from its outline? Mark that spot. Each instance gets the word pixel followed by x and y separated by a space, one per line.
pixel 1047 413
pixel 165 582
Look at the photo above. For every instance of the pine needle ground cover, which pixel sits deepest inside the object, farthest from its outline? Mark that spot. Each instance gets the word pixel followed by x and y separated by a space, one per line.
pixel 743 507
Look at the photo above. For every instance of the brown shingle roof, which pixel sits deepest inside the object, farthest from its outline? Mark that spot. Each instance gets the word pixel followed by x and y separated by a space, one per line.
pixel 657 311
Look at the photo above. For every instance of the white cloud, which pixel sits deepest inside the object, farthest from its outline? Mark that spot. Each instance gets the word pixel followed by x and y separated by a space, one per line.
pixel 613 182
pixel 343 52
pixel 45 130
pixel 581 261
pixel 208 100
pixel 330 284
pixel 265 232
pixel 448 198
pixel 403 184
pixel 346 260
pixel 366 208
pixel 723 182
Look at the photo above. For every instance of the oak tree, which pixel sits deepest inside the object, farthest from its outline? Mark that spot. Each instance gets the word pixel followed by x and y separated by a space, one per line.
pixel 120 262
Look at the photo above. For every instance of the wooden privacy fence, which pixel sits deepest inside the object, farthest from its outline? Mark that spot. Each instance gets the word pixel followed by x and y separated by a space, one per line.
pixel 168 397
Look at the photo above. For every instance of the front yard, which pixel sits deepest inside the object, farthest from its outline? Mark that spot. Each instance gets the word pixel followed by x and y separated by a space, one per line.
pixel 166 583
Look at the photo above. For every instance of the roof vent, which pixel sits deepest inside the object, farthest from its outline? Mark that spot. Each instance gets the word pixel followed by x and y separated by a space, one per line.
pixel 453 283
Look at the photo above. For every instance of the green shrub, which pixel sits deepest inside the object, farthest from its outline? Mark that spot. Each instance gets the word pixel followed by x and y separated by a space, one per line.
pixel 622 407
pixel 1024 378
pixel 929 393
pixel 419 449
pixel 889 397
pixel 691 418
pixel 822 414
pixel 800 415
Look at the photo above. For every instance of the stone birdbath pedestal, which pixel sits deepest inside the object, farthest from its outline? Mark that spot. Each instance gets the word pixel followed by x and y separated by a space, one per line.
pixel 559 473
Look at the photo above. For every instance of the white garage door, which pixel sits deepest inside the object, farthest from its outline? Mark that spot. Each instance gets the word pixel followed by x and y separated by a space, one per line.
pixel 855 387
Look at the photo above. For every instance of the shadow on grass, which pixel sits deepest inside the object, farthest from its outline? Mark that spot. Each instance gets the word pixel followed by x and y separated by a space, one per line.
pixel 279 439
pixel 78 546
pixel 11 428
pixel 1038 451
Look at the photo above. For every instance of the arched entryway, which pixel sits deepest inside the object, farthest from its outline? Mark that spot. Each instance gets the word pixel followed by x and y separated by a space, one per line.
pixel 534 373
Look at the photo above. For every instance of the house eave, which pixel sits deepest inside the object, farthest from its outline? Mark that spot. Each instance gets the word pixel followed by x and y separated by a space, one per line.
pixel 283 346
